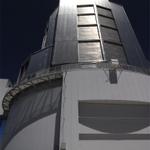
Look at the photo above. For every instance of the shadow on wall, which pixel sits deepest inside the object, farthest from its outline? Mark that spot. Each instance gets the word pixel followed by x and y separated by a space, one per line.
pixel 114 118
pixel 31 105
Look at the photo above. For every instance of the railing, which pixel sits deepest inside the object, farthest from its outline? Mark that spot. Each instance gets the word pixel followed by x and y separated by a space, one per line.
pixel 99 65
pixel 25 75
pixel 56 72
pixel 26 80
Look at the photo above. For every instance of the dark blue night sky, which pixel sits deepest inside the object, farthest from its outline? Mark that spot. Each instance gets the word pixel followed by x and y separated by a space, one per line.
pixel 24 21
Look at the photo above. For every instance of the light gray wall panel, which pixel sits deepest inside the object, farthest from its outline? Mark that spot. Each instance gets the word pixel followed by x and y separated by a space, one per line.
pixel 93 85
pixel 67 7
pixel 37 136
pixel 114 145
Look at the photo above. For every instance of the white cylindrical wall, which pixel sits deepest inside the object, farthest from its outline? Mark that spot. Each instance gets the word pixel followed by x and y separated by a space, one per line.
pixel 93 85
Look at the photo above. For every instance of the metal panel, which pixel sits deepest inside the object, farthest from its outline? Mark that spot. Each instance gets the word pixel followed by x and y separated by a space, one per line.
pixel 31 105
pixel 51 34
pixel 88 33
pixel 86 20
pixel 89 52
pixel 85 10
pixel 51 28
pixel 107 21
pixel 105 12
pixel 113 51
pixel 66 27
pixel 38 61
pixel 132 48
pixel 110 35
pixel 65 50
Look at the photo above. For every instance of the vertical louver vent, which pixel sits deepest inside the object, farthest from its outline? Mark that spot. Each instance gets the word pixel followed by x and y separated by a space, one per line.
pixel 88 35
pixel 110 35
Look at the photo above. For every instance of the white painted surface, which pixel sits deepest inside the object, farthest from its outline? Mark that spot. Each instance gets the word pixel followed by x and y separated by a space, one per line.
pixel 3 90
pixel 37 136
pixel 94 85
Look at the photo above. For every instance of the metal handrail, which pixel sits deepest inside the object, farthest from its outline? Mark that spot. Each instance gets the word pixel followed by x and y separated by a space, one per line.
pixel 80 65
pixel 86 65
pixel 57 72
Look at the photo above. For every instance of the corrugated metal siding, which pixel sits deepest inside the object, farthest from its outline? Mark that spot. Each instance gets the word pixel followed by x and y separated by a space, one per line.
pixel 110 36
pixel 89 52
pixel 105 12
pixel 37 136
pixel 66 44
pixel 114 51
pixel 85 10
pixel 86 20
pixel 51 34
pixel 65 50
pixel 88 33
pixel 31 105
